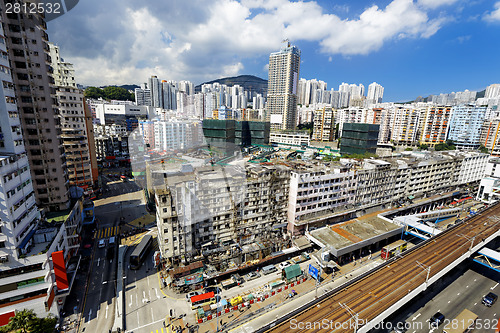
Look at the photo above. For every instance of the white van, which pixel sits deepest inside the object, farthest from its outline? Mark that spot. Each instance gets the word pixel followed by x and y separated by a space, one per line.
pixel 268 269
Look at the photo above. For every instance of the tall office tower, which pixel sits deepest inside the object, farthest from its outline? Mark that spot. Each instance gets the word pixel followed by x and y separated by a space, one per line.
pixel 282 87
pixel 73 125
pixel 375 93
pixel 492 91
pixel 28 50
pixel 142 96
pixel 155 86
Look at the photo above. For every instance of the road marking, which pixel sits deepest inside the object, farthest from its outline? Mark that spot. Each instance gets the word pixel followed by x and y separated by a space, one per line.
pixel 131 300
pixel 137 317
pixel 156 292
pixel 449 302
pixel 90 314
pixel 475 303
pixel 467 287
pixel 152 316
pixel 106 316
pixel 98 261
pixel 458 294
pixel 416 316
pixel 494 286
pixel 144 300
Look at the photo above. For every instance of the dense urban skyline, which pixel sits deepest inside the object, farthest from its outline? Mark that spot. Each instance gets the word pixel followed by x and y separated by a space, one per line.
pixel 401 44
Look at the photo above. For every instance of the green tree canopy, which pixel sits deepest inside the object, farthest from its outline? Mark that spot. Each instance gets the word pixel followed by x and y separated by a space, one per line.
pixel 94 92
pixel 111 92
pixel 448 145
pixel 483 149
pixel 23 320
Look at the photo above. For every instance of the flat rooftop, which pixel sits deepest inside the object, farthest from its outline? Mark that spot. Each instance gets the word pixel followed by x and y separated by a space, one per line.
pixel 352 235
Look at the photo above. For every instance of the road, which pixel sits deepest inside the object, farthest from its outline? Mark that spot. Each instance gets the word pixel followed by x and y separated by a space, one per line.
pixel 379 290
pixel 146 307
pixel 119 199
pixel 464 292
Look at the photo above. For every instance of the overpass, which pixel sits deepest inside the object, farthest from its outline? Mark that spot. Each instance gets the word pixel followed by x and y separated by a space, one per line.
pixel 375 295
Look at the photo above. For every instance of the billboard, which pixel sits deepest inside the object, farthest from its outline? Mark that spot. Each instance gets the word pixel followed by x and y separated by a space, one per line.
pixel 60 270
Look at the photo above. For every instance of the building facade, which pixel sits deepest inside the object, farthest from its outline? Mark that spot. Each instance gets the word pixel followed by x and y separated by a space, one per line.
pixel 32 73
pixel 282 88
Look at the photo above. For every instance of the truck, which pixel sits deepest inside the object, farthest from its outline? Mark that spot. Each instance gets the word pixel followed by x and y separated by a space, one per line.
pixel 229 283
pixel 301 258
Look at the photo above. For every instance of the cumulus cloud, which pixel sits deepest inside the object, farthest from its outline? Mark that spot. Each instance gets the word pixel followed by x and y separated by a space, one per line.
pixel 125 41
pixel 436 3
pixel 494 16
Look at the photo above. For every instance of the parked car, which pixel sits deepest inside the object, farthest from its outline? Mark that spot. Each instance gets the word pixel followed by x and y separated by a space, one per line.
pixel 238 278
pixel 268 269
pixel 437 319
pixel 252 275
pixel 191 294
pixel 283 265
pixel 489 299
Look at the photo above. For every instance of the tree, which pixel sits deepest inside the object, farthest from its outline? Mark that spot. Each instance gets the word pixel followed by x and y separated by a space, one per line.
pixel 423 146
pixel 43 325
pixel 23 320
pixel 93 92
pixel 483 149
pixel 113 92
pixel 408 149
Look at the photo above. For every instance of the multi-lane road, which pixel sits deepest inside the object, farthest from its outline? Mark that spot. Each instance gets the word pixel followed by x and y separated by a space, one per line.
pixel 375 293
pixel 120 199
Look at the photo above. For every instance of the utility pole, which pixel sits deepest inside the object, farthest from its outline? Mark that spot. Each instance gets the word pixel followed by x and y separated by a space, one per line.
pixel 353 314
pixel 425 268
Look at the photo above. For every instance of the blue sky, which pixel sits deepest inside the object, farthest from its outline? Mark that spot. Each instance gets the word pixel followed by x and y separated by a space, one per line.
pixel 412 48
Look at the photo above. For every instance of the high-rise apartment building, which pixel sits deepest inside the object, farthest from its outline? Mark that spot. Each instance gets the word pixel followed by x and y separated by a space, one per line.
pixel 282 87
pixel 492 91
pixel 404 124
pixel 32 73
pixel 27 242
pixel 73 125
pixel 324 124
pixel 434 124
pixel 375 93
pixel 465 125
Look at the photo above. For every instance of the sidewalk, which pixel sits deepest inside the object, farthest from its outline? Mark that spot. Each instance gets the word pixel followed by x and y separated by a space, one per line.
pixel 261 313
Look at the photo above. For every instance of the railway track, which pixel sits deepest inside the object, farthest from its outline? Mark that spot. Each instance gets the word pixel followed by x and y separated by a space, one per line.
pixel 376 292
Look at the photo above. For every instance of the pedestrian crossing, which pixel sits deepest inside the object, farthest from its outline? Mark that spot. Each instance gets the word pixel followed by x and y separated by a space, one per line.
pixel 162 330
pixel 107 232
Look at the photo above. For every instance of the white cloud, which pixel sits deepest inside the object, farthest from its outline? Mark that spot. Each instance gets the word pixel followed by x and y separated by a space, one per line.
pixel 189 40
pixel 435 3
pixel 494 16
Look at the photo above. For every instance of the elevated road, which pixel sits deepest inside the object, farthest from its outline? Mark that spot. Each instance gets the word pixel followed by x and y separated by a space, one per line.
pixel 374 296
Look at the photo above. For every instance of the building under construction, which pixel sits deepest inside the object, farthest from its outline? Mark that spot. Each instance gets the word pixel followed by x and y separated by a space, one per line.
pixel 225 214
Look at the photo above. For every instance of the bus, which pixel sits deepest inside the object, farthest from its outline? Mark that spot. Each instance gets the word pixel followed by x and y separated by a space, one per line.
pixel 198 301
pixel 140 251
pixel 463 323
pixel 393 249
